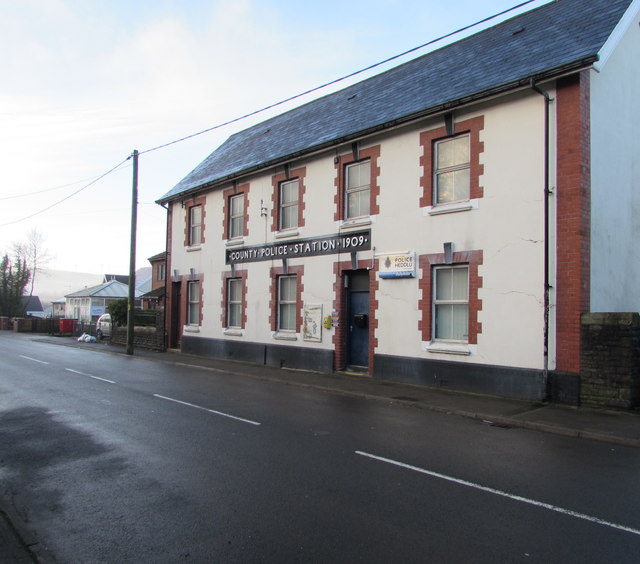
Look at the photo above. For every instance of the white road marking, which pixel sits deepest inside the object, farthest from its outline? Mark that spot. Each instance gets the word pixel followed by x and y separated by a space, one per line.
pixel 90 376
pixel 34 359
pixel 209 410
pixel 514 497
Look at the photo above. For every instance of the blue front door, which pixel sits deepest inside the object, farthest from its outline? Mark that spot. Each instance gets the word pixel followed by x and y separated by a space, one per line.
pixel 358 319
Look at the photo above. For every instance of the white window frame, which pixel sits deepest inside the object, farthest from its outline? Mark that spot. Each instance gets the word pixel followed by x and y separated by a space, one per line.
pixel 162 271
pixel 350 191
pixel 195 227
pixel 234 304
pixel 437 172
pixel 236 218
pixel 287 205
pixel 193 302
pixel 449 302
pixel 287 303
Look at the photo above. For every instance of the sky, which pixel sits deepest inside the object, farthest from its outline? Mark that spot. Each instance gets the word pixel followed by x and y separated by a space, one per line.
pixel 84 83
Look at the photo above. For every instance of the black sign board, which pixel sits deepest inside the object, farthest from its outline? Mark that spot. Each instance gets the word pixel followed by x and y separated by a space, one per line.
pixel 327 245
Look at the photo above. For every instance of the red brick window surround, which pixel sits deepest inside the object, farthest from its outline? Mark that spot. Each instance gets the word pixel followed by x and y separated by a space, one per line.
pixel 429 139
pixel 225 317
pixel 193 298
pixel 341 163
pixel 242 191
pixel 184 306
pixel 427 263
pixel 195 211
pixel 275 273
pixel 277 181
pixel 194 302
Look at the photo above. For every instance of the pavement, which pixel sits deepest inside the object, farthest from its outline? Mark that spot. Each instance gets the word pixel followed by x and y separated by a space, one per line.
pixel 620 428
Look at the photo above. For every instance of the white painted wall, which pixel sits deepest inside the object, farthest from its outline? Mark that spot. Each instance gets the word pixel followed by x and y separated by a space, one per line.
pixel 615 176
pixel 507 226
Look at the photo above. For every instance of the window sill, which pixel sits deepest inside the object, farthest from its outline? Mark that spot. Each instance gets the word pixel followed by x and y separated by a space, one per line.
pixel 281 336
pixel 452 207
pixel 234 332
pixel 235 242
pixel 192 329
pixel 193 248
pixel 356 222
pixel 444 347
pixel 286 233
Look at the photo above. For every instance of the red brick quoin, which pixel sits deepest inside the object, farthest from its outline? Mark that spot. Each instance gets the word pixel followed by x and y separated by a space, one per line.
pixel 243 274
pixel 426 262
pixel 243 189
pixel 195 201
pixel 372 154
pixel 472 126
pixel 274 272
pixel 574 217
pixel 277 179
pixel 339 339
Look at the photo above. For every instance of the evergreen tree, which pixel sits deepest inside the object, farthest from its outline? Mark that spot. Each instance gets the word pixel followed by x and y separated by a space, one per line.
pixel 13 281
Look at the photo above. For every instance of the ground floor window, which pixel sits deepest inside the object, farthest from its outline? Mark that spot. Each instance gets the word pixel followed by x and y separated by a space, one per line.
pixel 193 310
pixel 234 303
pixel 451 303
pixel 287 302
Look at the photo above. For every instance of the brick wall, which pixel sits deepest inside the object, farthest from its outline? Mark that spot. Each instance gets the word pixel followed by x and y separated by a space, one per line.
pixel 143 337
pixel 610 360
pixel 574 217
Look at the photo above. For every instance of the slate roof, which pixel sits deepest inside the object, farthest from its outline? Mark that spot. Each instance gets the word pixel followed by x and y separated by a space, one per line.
pixel 111 289
pixel 31 303
pixel 559 37
pixel 158 257
pixel 157 293
pixel 124 278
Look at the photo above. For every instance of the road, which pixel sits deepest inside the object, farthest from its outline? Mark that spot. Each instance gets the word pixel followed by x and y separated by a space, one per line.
pixel 109 458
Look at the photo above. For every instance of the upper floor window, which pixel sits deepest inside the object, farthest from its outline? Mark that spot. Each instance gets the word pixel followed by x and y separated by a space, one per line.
pixel 195 225
pixel 236 216
pixel 451 303
pixel 287 302
pixel 289 197
pixel 161 271
pixel 451 166
pixel 193 309
pixel 452 170
pixel 357 189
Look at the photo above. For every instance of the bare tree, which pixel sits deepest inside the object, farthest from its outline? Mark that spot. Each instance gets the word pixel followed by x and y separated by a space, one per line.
pixel 34 253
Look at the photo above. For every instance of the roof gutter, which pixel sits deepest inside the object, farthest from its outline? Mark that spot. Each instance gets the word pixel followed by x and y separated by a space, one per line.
pixel 515 85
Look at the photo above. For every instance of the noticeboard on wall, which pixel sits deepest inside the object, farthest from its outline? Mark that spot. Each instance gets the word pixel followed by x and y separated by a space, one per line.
pixel 397 265
pixel 312 323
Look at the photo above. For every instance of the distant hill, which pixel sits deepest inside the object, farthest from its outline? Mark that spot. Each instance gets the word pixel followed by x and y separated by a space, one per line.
pixel 54 284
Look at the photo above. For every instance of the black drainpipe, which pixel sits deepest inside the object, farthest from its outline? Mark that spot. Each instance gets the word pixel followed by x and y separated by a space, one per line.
pixel 547 194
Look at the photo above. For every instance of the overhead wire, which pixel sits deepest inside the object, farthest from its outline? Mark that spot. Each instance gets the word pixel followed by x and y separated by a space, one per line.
pixel 69 196
pixel 337 80
pixel 44 190
pixel 261 110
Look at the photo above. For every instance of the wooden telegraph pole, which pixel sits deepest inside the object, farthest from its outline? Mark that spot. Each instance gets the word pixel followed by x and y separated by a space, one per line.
pixel 132 256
